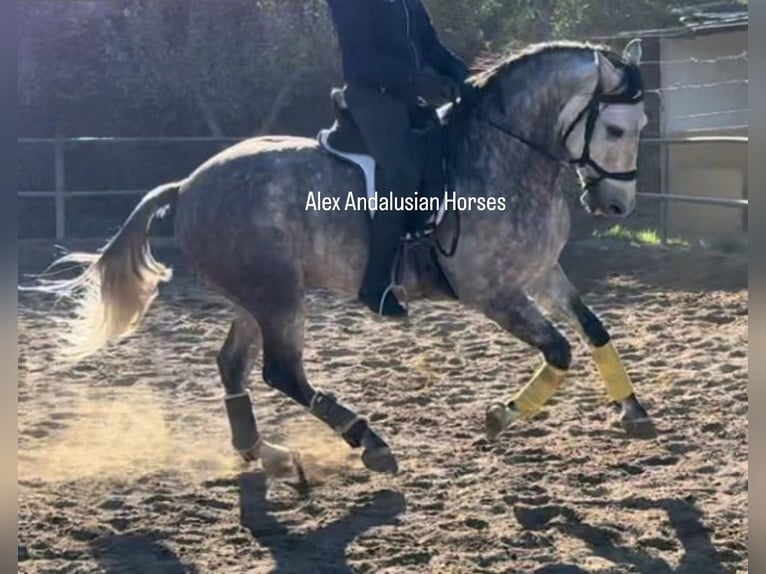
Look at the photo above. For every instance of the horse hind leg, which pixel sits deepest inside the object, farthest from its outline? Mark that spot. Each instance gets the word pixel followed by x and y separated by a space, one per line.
pixel 235 363
pixel 277 304
pixel 283 370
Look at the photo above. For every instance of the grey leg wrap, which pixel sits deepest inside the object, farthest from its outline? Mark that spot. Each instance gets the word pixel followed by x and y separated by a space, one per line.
pixel 355 430
pixel 339 418
pixel 239 408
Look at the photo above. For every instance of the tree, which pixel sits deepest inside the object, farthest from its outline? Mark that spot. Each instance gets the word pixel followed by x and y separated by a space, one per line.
pixel 243 67
pixel 64 58
pixel 229 67
pixel 238 62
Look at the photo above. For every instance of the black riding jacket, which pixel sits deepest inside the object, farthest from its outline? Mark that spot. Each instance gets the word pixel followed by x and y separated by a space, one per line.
pixel 385 44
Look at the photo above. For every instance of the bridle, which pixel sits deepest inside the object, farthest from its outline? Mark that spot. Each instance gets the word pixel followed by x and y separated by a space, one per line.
pixel 592 110
pixel 631 93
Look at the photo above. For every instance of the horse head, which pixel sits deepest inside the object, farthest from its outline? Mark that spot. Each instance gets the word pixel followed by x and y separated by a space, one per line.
pixel 576 104
pixel 604 141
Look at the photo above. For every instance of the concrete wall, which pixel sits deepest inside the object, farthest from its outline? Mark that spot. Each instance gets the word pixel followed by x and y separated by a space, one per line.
pixel 717 170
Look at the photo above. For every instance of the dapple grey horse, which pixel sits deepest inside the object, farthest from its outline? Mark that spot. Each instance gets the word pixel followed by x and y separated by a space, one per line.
pixel 242 225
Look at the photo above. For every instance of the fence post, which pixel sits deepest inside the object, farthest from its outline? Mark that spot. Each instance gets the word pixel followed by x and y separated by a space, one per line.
pixel 663 203
pixel 664 175
pixel 745 195
pixel 60 185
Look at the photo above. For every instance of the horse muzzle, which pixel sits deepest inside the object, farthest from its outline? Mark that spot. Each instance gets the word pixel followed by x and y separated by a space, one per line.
pixel 608 200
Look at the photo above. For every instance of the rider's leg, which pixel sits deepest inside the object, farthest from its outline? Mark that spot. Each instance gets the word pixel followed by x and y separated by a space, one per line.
pixel 431 150
pixel 385 233
pixel 385 127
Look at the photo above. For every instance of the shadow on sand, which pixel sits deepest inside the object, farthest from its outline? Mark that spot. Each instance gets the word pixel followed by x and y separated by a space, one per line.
pixel 590 265
pixel 699 557
pixel 127 553
pixel 319 551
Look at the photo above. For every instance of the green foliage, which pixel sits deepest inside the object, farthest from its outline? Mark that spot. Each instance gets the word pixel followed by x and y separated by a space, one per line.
pixel 497 25
pixel 230 66
pixel 730 245
pixel 233 61
pixel 639 236
pixel 246 66
pixel 65 54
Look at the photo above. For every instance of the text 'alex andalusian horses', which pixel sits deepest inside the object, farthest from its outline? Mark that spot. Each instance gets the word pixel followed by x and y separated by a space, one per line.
pixel 242 225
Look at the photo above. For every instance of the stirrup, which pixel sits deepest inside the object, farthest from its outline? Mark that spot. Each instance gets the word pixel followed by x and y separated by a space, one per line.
pixel 385 294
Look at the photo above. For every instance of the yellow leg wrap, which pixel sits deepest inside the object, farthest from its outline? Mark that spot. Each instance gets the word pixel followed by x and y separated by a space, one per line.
pixel 536 393
pixel 616 379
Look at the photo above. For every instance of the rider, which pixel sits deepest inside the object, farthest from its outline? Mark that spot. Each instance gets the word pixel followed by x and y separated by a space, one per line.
pixel 385 46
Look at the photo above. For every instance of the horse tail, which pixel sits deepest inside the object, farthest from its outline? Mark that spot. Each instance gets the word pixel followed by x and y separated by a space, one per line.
pixel 118 284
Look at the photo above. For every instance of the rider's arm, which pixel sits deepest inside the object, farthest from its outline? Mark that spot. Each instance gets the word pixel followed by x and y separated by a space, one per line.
pixel 438 56
pixel 363 62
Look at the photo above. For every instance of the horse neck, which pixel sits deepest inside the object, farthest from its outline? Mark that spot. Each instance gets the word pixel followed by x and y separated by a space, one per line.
pixel 531 112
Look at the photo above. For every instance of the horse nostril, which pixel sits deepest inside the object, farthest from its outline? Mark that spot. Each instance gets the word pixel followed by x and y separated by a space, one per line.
pixel 615 209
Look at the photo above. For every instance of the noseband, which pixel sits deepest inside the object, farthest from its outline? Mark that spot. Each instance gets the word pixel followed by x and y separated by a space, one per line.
pixel 632 93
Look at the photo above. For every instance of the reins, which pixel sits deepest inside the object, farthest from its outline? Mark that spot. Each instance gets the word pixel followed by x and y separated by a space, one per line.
pixel 633 94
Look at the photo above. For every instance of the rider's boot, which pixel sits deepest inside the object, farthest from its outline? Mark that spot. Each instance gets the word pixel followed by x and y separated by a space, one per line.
pixel 376 290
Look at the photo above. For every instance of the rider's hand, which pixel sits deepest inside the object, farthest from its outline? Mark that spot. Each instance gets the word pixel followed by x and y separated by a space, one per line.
pixel 469 94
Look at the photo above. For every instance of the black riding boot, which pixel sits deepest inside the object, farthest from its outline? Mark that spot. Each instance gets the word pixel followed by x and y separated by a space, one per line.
pixel 384 242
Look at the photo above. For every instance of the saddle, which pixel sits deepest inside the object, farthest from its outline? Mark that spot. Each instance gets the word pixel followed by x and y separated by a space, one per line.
pixel 343 140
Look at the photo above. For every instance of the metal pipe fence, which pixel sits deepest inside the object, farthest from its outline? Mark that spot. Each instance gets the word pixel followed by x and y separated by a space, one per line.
pixel 60 194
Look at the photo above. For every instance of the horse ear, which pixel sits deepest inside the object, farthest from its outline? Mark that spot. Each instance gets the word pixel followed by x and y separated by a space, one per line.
pixel 632 52
pixel 611 77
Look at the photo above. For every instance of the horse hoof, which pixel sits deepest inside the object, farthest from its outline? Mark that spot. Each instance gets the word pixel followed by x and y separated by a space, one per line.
pixel 380 460
pixel 496 420
pixel 276 460
pixel 248 454
pixel 640 428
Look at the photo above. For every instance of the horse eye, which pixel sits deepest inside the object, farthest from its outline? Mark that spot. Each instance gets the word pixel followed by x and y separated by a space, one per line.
pixel 613 132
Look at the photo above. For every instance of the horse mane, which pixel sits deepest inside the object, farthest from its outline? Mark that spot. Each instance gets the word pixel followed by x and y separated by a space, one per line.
pixel 490 70
pixel 455 115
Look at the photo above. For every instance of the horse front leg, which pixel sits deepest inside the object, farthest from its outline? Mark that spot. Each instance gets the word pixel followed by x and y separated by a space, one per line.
pixel 557 294
pixel 519 315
